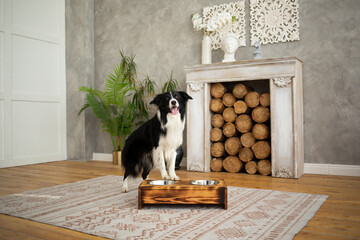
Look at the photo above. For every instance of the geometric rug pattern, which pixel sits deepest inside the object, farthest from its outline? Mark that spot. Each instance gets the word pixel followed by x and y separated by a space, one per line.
pixel 98 207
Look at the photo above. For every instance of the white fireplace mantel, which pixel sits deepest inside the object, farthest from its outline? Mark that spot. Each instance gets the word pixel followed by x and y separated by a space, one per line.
pixel 286 94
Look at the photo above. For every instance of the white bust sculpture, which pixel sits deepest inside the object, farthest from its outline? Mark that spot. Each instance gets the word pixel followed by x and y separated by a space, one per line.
pixel 229 44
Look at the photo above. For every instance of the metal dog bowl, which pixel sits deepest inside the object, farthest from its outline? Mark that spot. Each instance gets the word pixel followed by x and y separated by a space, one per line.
pixel 204 182
pixel 162 182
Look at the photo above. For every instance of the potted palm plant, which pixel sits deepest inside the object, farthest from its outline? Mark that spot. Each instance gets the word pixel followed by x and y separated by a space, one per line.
pixel 121 103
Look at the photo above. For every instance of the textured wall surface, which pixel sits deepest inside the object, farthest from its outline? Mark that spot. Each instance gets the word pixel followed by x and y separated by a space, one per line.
pixel 160 33
pixel 80 62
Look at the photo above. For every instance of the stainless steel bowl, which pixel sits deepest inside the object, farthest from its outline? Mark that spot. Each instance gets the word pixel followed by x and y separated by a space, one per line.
pixel 204 182
pixel 162 182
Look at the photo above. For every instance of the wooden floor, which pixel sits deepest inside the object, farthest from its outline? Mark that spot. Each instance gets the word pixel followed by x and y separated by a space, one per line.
pixel 338 218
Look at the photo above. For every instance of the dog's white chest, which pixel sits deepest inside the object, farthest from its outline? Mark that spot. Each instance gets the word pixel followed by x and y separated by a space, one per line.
pixel 174 133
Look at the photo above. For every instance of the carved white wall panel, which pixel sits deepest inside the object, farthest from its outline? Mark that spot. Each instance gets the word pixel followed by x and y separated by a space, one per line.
pixel 273 21
pixel 236 9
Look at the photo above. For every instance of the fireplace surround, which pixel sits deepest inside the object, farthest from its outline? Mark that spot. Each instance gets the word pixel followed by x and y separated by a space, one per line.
pixel 284 76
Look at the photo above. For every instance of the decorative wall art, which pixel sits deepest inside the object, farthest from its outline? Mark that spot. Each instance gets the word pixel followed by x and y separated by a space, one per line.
pixel 234 9
pixel 273 21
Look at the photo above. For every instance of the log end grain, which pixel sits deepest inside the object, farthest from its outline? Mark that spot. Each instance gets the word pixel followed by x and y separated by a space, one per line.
pixel 243 123
pixel 229 130
pixel 251 167
pixel 264 167
pixel 216 135
pixel 217 149
pixel 229 114
pixel 260 131
pixel 265 99
pixel 228 99
pixel 240 90
pixel 240 107
pixel 252 99
pixel 247 139
pixel 217 90
pixel 246 154
pixel 217 105
pixel 261 149
pixel 217 120
pixel 216 164
pixel 232 164
pixel 260 114
pixel 232 146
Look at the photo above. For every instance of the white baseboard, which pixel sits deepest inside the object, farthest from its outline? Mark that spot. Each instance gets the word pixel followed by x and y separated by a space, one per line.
pixel 106 157
pixel 310 168
pixel 332 169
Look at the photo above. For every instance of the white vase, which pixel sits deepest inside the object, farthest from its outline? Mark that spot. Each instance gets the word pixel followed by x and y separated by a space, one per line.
pixel 206 50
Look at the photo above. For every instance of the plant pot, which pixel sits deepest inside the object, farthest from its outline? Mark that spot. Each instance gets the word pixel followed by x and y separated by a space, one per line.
pixel 116 157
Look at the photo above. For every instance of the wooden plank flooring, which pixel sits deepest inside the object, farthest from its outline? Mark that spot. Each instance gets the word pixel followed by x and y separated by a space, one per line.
pixel 338 218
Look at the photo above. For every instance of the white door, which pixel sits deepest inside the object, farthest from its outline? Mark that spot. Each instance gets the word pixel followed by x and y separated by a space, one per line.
pixel 32 82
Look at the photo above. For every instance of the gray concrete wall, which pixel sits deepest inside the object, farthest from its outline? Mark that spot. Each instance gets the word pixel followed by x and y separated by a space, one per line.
pixel 160 33
pixel 80 70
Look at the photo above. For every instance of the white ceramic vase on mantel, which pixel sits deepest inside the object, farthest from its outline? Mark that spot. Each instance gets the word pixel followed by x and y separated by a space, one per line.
pixel 206 50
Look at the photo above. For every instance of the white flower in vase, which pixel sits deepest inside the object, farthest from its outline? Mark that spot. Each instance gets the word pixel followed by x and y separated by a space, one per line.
pixel 221 21
pixel 197 22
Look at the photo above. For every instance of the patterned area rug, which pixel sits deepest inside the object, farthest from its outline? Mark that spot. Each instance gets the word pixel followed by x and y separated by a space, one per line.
pixel 98 207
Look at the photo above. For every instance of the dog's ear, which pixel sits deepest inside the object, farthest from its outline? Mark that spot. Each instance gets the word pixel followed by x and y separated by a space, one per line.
pixel 156 100
pixel 185 96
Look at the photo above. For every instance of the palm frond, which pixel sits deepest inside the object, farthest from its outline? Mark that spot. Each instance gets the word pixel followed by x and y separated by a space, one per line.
pixel 129 67
pixel 115 85
pixel 85 106
pixel 171 84
pixel 99 109
pixel 100 94
pixel 149 86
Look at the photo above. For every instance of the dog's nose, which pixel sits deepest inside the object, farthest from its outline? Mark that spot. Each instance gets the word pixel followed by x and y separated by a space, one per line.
pixel 173 102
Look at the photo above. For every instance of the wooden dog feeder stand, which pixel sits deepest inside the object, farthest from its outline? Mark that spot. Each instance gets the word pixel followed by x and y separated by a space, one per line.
pixel 183 192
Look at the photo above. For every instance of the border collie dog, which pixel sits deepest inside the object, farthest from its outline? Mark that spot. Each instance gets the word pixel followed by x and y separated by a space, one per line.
pixel 155 142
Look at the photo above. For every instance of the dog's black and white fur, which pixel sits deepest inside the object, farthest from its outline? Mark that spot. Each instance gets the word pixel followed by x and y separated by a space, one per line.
pixel 155 142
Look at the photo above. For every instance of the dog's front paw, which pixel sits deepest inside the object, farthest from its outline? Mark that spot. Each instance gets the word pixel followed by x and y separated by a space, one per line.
pixel 174 178
pixel 166 177
pixel 125 189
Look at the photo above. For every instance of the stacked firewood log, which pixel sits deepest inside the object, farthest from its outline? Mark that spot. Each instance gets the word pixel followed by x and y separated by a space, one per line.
pixel 240 135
